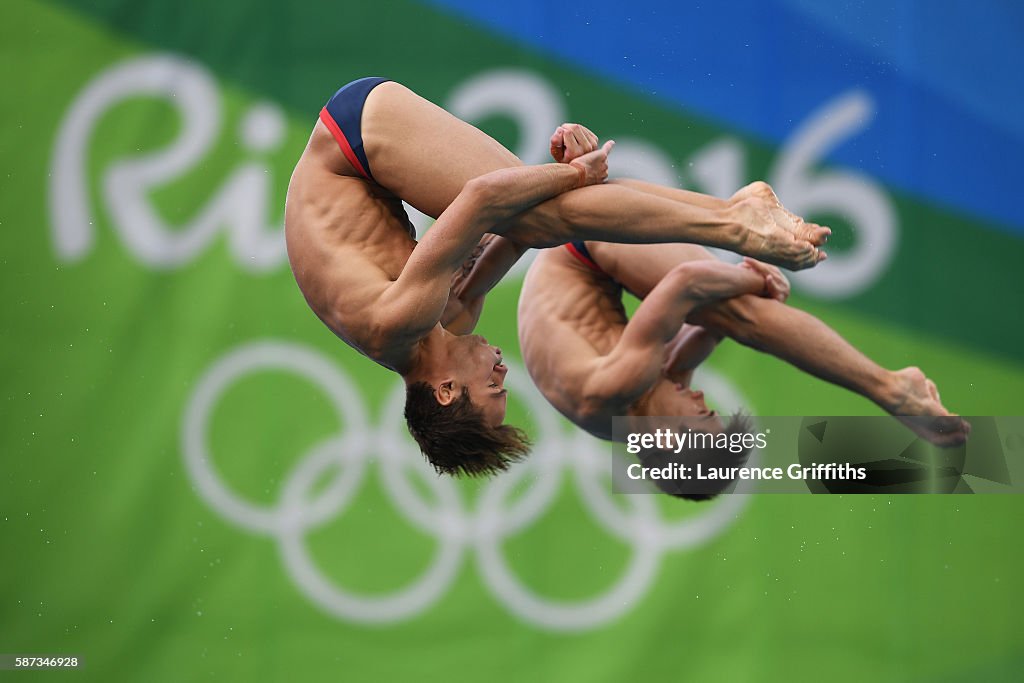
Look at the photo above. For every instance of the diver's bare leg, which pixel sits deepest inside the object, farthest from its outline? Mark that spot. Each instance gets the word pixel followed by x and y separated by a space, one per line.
pixel 807 343
pixel 674 193
pixel 791 335
pixel 756 189
pixel 425 155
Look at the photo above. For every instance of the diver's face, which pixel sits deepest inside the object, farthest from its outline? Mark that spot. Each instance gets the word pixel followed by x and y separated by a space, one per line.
pixel 478 367
pixel 675 399
pixel 692 402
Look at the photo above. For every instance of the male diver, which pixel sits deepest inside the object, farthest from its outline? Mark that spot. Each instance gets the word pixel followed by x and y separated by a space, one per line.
pixel 355 258
pixel 592 362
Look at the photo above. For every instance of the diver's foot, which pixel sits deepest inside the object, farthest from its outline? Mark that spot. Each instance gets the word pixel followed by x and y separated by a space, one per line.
pixel 917 405
pixel 763 191
pixel 772 234
pixel 756 190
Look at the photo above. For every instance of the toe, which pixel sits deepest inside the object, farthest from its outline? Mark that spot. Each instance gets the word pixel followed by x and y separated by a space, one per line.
pixel 815 257
pixel 817 234
pixel 806 259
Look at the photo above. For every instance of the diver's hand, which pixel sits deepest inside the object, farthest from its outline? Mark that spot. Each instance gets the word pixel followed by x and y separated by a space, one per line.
pixel 571 141
pixel 594 165
pixel 776 284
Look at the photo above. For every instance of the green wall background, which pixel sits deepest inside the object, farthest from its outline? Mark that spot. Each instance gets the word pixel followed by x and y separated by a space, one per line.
pixel 113 549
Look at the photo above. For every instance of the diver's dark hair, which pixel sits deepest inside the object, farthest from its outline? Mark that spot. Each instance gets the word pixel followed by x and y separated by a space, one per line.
pixel 707 456
pixel 456 439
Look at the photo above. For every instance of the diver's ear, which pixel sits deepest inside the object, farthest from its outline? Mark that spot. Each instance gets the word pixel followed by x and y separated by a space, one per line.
pixel 446 392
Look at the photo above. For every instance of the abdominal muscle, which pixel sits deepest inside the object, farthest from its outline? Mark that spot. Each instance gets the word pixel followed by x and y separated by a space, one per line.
pixel 568 318
pixel 348 240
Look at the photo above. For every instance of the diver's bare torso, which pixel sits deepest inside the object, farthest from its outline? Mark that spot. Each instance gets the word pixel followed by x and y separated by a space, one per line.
pixel 349 238
pixel 569 316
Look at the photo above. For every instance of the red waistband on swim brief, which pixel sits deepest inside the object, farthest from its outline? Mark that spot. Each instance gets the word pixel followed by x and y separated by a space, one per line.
pixel 584 258
pixel 346 148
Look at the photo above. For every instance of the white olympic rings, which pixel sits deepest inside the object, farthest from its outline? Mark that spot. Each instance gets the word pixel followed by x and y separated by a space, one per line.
pixel 455 527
